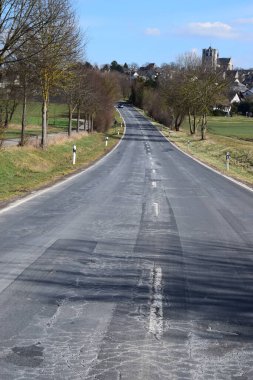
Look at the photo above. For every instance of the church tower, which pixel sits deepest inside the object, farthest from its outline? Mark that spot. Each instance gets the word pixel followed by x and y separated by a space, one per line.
pixel 210 57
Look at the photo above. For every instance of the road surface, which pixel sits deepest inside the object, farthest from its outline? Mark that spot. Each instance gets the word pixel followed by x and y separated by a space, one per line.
pixel 140 268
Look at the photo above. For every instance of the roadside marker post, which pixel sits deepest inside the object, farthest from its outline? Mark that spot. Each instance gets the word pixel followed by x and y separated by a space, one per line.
pixel 74 154
pixel 106 141
pixel 227 160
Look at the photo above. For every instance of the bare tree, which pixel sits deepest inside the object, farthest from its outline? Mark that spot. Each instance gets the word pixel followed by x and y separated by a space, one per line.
pixel 59 46
pixel 193 90
pixel 171 90
pixel 18 23
pixel 210 90
pixel 77 91
pixel 100 91
pixel 28 81
pixel 9 97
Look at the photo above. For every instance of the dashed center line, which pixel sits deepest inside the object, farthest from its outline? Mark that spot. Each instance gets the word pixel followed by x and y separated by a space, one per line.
pixel 154 184
pixel 156 305
pixel 156 208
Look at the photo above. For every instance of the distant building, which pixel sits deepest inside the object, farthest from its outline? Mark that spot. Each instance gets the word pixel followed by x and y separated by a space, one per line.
pixel 225 64
pixel 150 71
pixel 210 58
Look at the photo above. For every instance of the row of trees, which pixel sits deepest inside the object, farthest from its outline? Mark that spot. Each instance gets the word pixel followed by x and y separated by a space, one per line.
pixel 184 89
pixel 41 51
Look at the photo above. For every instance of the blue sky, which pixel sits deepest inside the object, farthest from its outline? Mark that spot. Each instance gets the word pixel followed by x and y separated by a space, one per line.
pixel 160 30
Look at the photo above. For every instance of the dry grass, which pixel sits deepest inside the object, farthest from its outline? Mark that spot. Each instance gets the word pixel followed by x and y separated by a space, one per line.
pixel 23 169
pixel 213 152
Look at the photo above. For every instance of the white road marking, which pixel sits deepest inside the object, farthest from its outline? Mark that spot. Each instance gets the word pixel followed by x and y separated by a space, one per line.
pixel 154 184
pixel 153 171
pixel 209 167
pixel 209 329
pixel 156 306
pixel 156 207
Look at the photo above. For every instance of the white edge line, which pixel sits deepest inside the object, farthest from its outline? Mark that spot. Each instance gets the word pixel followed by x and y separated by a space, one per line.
pixel 63 181
pixel 205 165
pixel 200 162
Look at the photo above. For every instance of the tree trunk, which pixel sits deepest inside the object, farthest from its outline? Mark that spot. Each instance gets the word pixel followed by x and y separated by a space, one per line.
pixel 178 121
pixel 86 123
pixel 78 119
pixel 192 123
pixel 70 121
pixel 203 127
pixel 1 127
pixel 92 123
pixel 6 121
pixel 44 124
pixel 23 125
pixel 6 111
pixel 90 126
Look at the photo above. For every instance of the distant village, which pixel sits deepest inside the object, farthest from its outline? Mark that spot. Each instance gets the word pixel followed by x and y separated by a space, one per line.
pixel 241 79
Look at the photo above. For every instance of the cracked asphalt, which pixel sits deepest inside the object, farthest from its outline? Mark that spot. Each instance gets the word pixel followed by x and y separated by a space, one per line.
pixel 139 268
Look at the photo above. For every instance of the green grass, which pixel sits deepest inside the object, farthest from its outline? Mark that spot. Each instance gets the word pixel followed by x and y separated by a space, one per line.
pixel 23 169
pixel 57 114
pixel 57 120
pixel 238 127
pixel 232 135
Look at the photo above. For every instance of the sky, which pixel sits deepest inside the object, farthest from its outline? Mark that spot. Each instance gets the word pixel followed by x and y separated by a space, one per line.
pixel 159 31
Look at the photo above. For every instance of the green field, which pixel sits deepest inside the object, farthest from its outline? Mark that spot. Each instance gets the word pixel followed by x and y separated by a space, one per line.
pixel 240 127
pixel 57 120
pixel 57 114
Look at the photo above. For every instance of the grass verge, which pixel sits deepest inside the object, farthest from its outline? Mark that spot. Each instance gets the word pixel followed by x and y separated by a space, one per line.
pixel 23 169
pixel 213 151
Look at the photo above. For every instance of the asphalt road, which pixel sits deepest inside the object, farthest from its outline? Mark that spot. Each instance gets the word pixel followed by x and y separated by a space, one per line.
pixel 139 268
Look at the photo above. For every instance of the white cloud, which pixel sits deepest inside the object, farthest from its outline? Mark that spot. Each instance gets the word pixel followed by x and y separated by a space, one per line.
pixel 212 29
pixel 152 32
pixel 245 21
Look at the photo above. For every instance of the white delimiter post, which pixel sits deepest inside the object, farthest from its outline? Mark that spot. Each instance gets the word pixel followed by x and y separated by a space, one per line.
pixel 74 154
pixel 106 141
pixel 227 160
